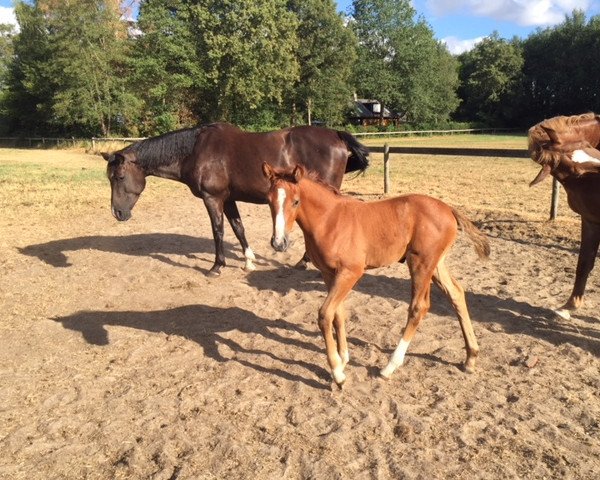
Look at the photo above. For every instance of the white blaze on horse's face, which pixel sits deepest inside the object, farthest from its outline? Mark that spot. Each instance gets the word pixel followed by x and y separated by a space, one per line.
pixel 280 218
pixel 579 156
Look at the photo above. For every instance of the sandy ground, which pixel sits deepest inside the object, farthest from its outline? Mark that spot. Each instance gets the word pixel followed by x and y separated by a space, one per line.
pixel 119 358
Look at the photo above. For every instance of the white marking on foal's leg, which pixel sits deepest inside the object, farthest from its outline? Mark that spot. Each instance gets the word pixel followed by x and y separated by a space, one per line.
pixel 396 360
pixel 579 156
pixel 249 254
pixel 563 313
pixel 280 218
pixel 345 357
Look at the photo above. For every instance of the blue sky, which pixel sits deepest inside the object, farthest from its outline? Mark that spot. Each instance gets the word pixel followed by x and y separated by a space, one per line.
pixel 461 23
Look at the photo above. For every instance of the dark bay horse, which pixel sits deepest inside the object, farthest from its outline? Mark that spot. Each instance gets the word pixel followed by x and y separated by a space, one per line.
pixel 345 236
pixel 221 164
pixel 568 149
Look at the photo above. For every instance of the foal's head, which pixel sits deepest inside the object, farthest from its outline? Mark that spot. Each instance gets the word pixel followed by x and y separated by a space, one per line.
pixel 284 200
pixel 127 181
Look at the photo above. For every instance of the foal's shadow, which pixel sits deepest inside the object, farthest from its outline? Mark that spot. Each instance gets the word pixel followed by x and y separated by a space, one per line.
pixel 206 325
pixel 513 316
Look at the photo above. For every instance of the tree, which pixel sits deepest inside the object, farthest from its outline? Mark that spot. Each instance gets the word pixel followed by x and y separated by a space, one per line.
pixel 6 56
pixel 247 51
pixel 490 76
pixel 401 64
pixel 167 72
pixel 326 56
pixel 561 69
pixel 69 73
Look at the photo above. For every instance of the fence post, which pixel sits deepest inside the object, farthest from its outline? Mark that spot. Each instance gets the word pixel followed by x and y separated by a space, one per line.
pixel 386 168
pixel 554 204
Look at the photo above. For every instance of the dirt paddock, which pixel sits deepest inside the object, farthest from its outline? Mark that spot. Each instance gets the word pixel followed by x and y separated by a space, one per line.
pixel 119 358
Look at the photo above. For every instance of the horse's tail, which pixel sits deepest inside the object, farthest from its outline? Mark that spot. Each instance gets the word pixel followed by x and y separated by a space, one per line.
pixel 479 239
pixel 358 159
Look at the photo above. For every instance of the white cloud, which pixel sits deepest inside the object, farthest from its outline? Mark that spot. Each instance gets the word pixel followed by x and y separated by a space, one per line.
pixel 7 15
pixel 457 46
pixel 522 12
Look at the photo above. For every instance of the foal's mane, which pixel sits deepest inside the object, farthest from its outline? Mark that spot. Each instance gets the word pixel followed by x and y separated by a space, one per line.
pixel 164 149
pixel 539 141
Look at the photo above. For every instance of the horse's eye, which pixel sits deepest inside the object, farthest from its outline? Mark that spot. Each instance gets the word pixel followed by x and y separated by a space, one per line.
pixel 295 203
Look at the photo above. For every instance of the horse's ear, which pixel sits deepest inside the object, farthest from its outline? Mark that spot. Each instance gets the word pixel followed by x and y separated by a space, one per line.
pixel 553 134
pixel 544 172
pixel 268 171
pixel 298 173
pixel 106 156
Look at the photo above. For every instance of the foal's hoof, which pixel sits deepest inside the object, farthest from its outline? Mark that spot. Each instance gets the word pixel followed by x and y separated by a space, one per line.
pixel 469 367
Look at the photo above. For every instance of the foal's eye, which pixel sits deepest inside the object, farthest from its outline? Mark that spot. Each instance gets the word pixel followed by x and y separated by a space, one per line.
pixel 295 203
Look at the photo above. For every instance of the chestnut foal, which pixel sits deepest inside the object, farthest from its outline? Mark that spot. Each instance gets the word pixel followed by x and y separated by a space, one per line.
pixel 345 236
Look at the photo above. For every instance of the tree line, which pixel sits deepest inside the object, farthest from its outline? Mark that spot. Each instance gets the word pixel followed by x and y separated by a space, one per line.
pixel 84 67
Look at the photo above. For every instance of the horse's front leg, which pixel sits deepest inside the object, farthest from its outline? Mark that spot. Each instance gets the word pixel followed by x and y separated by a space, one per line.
pixel 233 215
pixel 215 212
pixel 338 287
pixel 590 239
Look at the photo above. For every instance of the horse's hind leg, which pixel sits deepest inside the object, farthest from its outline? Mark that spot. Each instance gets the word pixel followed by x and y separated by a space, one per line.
pixel 233 215
pixel 590 239
pixel 456 294
pixel 419 306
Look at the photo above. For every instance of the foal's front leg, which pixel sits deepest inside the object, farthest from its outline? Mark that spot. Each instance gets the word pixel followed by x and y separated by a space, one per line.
pixel 338 288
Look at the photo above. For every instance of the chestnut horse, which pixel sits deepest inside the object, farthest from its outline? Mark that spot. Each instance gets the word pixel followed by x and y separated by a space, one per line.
pixel 345 236
pixel 221 164
pixel 567 148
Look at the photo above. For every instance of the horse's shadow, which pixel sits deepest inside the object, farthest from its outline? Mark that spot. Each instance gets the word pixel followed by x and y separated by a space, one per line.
pixel 513 316
pixel 206 326
pixel 154 245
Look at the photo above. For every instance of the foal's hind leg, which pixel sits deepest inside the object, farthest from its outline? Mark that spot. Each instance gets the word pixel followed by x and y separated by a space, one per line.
pixel 456 294
pixel 233 215
pixel 420 301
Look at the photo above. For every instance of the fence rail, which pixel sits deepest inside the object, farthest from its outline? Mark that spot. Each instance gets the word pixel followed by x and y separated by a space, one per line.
pixel 437 132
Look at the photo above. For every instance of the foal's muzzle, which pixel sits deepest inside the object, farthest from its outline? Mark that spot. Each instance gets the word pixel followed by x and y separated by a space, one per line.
pixel 280 245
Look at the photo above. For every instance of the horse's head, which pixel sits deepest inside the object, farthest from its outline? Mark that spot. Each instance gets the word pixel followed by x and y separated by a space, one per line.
pixel 127 181
pixel 284 200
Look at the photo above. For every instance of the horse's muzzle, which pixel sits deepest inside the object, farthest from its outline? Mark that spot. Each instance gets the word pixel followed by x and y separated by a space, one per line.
pixel 121 215
pixel 280 245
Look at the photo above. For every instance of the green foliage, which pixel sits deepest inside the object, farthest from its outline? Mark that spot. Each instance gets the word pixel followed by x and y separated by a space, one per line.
pixel 561 69
pixel 490 76
pixel 401 64
pixel 247 53
pixel 326 56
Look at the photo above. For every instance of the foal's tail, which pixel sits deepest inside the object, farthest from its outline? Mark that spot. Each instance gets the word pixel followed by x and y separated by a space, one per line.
pixel 479 239
pixel 357 161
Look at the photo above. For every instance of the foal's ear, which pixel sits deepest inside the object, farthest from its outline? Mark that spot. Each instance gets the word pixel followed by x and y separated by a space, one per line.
pixel 298 173
pixel 268 171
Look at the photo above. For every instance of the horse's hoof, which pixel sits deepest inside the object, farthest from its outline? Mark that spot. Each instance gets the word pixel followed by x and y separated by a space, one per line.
pixel 563 313
pixel 212 273
pixel 301 265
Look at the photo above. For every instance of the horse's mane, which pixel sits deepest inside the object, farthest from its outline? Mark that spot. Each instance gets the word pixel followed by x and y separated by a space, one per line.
pixel 164 149
pixel 288 176
pixel 539 141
